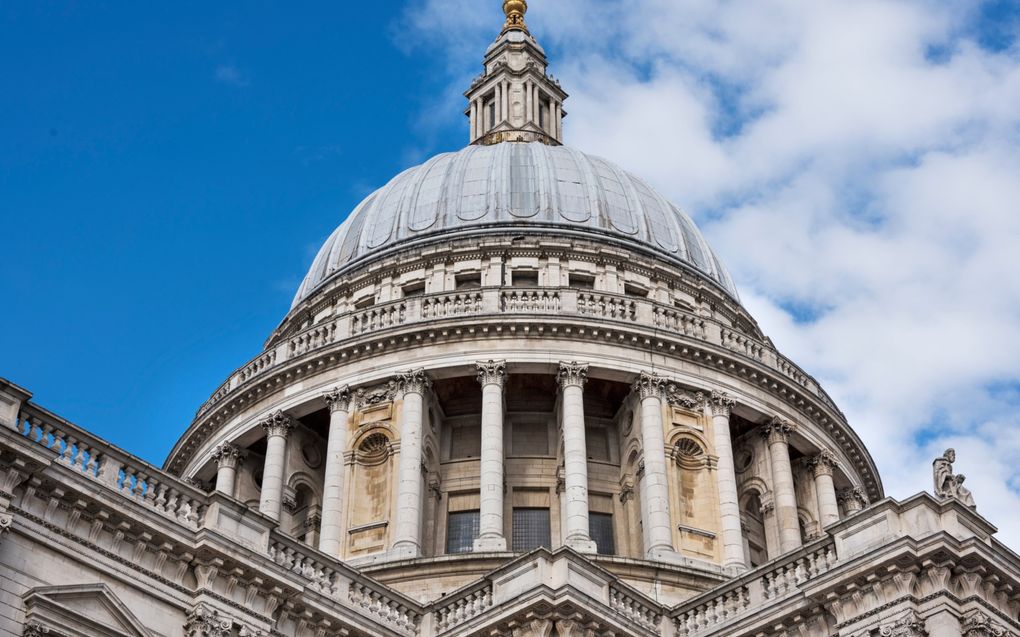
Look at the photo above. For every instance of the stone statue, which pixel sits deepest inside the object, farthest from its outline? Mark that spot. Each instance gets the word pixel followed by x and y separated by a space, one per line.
pixel 947 484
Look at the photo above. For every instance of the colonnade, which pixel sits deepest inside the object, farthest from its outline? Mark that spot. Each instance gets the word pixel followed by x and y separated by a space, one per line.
pixel 654 486
pixel 532 103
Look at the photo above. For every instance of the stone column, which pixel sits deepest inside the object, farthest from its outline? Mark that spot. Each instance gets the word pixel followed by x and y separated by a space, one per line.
pixel 658 530
pixel 572 377
pixel 721 405
pixel 504 94
pixel 407 532
pixel 331 535
pixel 853 499
pixel 822 466
pixel 227 456
pixel 491 375
pixel 474 120
pixel 777 433
pixel 277 427
pixel 528 93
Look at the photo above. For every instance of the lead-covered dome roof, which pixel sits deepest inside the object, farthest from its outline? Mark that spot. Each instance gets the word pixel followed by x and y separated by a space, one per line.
pixel 514 187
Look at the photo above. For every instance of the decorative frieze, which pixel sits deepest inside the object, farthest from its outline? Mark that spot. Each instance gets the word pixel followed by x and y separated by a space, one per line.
pixel 369 396
pixel 677 396
pixel 338 399
pixel 491 373
pixel 572 374
pixel 277 424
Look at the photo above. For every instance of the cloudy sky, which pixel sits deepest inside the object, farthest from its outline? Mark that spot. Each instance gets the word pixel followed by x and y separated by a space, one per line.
pixel 856 163
pixel 169 172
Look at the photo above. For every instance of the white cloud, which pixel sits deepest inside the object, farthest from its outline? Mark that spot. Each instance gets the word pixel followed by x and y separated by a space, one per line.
pixel 859 158
pixel 231 75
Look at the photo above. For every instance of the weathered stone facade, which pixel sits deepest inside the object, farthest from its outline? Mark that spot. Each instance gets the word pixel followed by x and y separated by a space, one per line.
pixel 516 395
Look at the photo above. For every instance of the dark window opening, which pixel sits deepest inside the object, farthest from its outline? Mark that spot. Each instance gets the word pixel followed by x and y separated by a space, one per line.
pixel 466 281
pixel 461 531
pixel 413 289
pixel 365 303
pixel 582 281
pixel 525 278
pixel 633 290
pixel 600 528
pixel 530 529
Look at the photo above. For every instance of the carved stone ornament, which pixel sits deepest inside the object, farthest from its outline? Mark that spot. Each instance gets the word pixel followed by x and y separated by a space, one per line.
pixel 947 484
pixel 278 424
pixel 824 463
pixel 385 393
pixel 720 403
pixel 491 373
pixel 650 386
pixel 572 374
pixel 205 621
pixel 777 430
pixel 227 455
pixel 35 629
pixel 6 522
pixel 977 624
pixel 338 399
pixel 853 499
pixel 677 396
pixel 414 381
pixel 909 625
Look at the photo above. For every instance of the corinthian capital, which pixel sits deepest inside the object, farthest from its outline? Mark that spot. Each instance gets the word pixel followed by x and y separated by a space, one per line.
pixel 978 624
pixel 414 381
pixel 278 424
pixel 777 430
pixel 824 463
pixel 227 455
pixel 853 499
pixel 491 373
pixel 650 386
pixel 721 404
pixel 572 374
pixel 909 625
pixel 205 621
pixel 338 399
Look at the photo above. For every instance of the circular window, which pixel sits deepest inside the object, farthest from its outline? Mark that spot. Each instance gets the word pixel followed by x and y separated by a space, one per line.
pixel 312 455
pixel 743 460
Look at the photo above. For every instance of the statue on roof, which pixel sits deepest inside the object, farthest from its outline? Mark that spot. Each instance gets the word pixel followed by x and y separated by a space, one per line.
pixel 950 485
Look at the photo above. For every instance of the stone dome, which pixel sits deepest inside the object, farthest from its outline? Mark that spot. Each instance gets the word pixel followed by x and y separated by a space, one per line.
pixel 514 188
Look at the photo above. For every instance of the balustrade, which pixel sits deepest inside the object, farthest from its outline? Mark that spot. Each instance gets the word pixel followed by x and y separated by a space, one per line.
pixel 123 473
pixel 606 306
pixel 452 304
pixel 634 610
pixel 456 611
pixel 537 301
pixel 379 318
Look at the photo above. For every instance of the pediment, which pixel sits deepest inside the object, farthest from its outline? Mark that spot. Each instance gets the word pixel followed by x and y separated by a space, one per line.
pixel 547 594
pixel 90 610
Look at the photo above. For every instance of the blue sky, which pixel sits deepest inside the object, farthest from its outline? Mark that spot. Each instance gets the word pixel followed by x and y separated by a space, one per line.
pixel 168 172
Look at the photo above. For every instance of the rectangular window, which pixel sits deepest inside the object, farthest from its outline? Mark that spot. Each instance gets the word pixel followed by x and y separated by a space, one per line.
pixel 582 281
pixel 633 290
pixel 600 527
pixel 525 278
pixel 530 529
pixel 466 442
pixel 461 531
pixel 467 281
pixel 365 303
pixel 413 289
pixel 529 438
pixel 596 439
pixel 492 115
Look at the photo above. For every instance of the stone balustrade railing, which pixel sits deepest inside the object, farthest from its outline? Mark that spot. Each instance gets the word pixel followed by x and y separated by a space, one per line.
pixel 708 613
pixel 517 301
pixel 634 610
pixel 111 467
pixel 372 600
pixel 452 612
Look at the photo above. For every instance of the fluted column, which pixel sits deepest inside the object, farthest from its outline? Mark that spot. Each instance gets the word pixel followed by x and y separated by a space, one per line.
pixel 407 534
pixel 227 456
pixel 823 466
pixel 721 405
pixel 572 378
pixel 777 434
pixel 491 375
pixel 277 427
pixel 658 530
pixel 330 535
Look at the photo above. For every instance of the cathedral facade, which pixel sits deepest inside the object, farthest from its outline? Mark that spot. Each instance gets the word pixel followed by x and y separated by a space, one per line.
pixel 516 394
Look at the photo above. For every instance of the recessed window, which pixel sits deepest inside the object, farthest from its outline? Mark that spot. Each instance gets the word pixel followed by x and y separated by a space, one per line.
pixel 466 442
pixel 543 115
pixel 633 290
pixel 461 531
pixel 364 303
pixel 468 281
pixel 600 528
pixel 525 278
pixel 413 289
pixel 596 441
pixel 529 438
pixel 530 529
pixel 492 114
pixel 582 281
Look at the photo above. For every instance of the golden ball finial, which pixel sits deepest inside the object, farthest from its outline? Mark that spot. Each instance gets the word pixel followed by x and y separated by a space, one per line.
pixel 515 10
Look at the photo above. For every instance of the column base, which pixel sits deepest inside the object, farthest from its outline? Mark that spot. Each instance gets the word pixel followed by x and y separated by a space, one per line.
pixel 667 555
pixel 582 545
pixel 403 552
pixel 495 544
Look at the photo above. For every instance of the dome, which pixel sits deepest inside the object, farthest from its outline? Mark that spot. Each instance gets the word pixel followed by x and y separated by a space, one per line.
pixel 515 187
